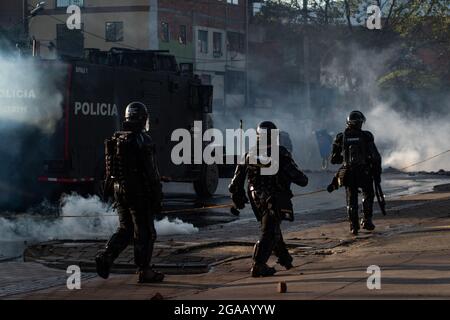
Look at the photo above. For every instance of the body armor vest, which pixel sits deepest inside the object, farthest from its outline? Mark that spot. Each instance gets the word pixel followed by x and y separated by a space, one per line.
pixel 355 149
pixel 124 152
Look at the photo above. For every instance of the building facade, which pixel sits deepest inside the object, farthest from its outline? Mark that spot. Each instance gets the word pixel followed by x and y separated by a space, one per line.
pixel 211 34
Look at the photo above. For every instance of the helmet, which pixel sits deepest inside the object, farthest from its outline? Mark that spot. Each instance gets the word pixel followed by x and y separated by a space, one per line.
pixel 356 119
pixel 266 128
pixel 136 112
pixel 265 125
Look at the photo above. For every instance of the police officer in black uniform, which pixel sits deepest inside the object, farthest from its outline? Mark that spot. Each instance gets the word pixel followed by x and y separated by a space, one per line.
pixel 133 178
pixel 270 198
pixel 356 150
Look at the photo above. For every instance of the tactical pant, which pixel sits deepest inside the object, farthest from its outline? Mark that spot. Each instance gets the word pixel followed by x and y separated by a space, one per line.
pixel 271 239
pixel 367 202
pixel 137 223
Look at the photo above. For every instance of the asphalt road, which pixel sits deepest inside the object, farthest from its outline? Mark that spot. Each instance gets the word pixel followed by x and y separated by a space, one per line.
pixel 14 235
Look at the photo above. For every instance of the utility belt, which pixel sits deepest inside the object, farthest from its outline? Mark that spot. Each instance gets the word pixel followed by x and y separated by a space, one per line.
pixel 348 175
pixel 125 195
pixel 278 204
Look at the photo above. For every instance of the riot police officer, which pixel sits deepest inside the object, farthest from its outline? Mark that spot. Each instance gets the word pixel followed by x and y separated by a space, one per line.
pixel 356 150
pixel 270 198
pixel 133 178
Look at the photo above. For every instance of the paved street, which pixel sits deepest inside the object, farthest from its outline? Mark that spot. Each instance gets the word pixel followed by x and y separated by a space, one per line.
pixel 410 246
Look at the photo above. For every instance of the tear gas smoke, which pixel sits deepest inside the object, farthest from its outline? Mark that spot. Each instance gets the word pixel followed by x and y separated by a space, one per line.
pixel 97 221
pixel 30 112
pixel 408 139
pixel 409 125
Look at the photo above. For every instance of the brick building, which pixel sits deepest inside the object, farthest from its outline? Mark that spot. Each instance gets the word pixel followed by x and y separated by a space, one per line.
pixel 209 33
pixel 212 34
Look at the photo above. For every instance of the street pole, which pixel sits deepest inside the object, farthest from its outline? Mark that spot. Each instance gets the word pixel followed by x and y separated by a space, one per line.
pixel 306 58
pixel 25 17
pixel 247 57
pixel 225 81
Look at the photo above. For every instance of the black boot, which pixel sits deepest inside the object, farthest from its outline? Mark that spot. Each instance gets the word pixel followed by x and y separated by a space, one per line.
pixel 354 226
pixel 148 275
pixel 366 223
pixel 286 262
pixel 262 270
pixel 353 218
pixel 103 263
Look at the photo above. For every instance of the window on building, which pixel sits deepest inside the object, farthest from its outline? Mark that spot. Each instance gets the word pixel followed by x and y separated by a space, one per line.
pixel 236 41
pixel 165 32
pixel 66 3
pixel 114 31
pixel 217 44
pixel 233 1
pixel 203 41
pixel 182 38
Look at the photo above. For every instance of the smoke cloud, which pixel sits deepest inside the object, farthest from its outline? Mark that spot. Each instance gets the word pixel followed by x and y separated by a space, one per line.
pixel 409 124
pixel 29 95
pixel 81 218
pixel 30 113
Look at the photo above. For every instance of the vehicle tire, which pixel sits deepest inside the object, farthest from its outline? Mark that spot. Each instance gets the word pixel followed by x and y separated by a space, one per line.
pixel 206 185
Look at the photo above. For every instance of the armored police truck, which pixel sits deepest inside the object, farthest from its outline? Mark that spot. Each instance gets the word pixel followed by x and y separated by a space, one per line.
pixel 94 92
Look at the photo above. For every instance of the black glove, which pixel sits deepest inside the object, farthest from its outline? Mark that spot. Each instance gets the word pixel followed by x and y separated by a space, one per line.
pixel 334 185
pixel 239 200
pixel 330 188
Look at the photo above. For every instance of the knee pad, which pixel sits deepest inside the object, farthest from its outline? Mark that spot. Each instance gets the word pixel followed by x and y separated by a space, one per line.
pixel 352 212
pixel 256 249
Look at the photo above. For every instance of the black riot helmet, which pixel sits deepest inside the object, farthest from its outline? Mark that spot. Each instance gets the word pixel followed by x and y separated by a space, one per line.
pixel 356 119
pixel 266 127
pixel 136 114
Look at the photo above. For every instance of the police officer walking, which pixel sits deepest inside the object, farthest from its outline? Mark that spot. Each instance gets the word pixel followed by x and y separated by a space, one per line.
pixel 133 178
pixel 356 150
pixel 270 198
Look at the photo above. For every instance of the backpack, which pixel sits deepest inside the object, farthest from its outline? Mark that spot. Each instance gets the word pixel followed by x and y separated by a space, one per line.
pixel 355 153
pixel 121 161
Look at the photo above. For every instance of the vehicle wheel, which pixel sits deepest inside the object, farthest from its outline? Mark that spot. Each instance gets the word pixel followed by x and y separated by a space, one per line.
pixel 206 185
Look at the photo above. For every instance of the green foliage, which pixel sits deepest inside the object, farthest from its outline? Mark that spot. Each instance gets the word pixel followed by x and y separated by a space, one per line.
pixel 420 27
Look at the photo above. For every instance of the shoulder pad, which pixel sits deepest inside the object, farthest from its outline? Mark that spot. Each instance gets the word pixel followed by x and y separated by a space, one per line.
pixel 339 137
pixel 285 152
pixel 369 135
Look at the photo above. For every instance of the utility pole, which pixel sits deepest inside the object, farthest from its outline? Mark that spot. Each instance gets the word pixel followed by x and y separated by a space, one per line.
pixel 247 57
pixel 25 17
pixel 153 25
pixel 225 80
pixel 307 92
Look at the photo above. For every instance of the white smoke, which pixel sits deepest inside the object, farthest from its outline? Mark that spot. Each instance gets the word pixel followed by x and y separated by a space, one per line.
pixel 409 140
pixel 406 130
pixel 29 93
pixel 31 109
pixel 81 218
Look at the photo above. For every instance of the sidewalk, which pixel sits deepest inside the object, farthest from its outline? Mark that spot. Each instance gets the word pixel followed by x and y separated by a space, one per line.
pixel 410 245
